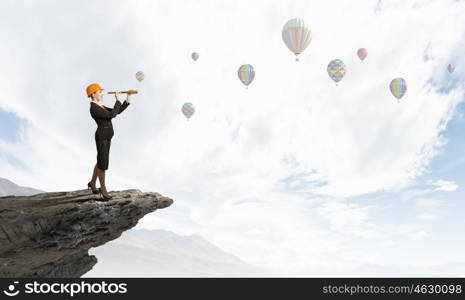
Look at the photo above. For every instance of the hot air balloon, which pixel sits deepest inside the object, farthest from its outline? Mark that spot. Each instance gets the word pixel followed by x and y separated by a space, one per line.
pixel 140 76
pixel 398 87
pixel 188 110
pixel 297 36
pixel 195 56
pixel 362 53
pixel 336 70
pixel 451 68
pixel 246 74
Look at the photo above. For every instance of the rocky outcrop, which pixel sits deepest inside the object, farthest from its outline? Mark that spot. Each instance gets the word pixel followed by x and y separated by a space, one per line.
pixel 49 234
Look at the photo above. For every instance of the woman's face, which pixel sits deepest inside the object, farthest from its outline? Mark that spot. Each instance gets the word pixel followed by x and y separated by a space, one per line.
pixel 98 95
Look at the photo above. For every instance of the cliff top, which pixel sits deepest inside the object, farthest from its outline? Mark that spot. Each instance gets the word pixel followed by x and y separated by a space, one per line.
pixel 49 234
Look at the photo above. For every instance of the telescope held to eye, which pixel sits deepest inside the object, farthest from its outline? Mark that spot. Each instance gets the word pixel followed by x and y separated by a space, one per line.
pixel 130 92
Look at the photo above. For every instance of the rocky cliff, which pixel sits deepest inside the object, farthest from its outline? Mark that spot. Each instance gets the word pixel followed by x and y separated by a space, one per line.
pixel 49 234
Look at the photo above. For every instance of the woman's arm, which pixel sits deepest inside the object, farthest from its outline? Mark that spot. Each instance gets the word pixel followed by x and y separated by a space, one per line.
pixel 122 107
pixel 99 113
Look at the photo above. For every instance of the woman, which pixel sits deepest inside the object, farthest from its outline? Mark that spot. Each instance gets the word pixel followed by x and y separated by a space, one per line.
pixel 102 116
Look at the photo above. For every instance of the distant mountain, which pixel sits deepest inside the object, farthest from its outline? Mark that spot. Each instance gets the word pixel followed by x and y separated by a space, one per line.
pixel 9 188
pixel 161 253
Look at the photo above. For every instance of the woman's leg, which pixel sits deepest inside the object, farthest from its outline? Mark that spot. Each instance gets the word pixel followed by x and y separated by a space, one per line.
pixel 93 181
pixel 103 152
pixel 101 178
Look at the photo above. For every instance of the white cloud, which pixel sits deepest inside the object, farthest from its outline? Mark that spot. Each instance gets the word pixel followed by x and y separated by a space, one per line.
pixel 428 203
pixel 388 244
pixel 419 235
pixel 446 186
pixel 428 216
pixel 241 145
pixel 347 218
pixel 413 193
pixel 428 208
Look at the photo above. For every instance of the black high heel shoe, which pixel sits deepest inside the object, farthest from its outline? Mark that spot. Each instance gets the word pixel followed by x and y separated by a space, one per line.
pixel 105 198
pixel 89 186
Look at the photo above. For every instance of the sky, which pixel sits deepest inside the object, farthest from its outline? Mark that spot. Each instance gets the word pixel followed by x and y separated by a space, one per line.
pixel 294 174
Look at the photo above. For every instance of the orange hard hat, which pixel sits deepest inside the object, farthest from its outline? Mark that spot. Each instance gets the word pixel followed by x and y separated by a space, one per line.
pixel 92 88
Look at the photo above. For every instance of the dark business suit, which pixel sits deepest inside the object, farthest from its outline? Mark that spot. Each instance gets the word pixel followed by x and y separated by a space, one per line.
pixel 104 133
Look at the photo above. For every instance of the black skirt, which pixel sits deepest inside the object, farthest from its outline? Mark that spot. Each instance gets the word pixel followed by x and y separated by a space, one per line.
pixel 103 153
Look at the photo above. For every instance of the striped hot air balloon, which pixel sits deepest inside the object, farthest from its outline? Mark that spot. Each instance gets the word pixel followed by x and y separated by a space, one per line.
pixel 398 87
pixel 297 36
pixel 362 53
pixel 336 70
pixel 188 110
pixel 246 74
pixel 140 76
pixel 450 68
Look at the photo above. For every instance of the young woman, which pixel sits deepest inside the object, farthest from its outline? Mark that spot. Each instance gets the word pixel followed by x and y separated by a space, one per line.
pixel 102 116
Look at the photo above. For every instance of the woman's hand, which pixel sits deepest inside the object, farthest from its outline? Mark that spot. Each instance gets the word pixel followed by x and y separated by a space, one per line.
pixel 128 97
pixel 116 95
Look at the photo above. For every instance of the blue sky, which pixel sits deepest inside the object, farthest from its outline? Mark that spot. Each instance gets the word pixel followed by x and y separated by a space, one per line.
pixel 11 126
pixel 294 173
pixel 10 132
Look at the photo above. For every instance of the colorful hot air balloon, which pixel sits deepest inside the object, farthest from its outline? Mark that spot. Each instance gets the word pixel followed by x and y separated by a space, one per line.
pixel 398 87
pixel 188 110
pixel 246 74
pixel 336 70
pixel 451 68
pixel 297 36
pixel 195 56
pixel 140 76
pixel 362 53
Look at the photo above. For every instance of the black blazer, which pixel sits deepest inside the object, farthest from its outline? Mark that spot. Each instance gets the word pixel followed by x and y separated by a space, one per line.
pixel 103 116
